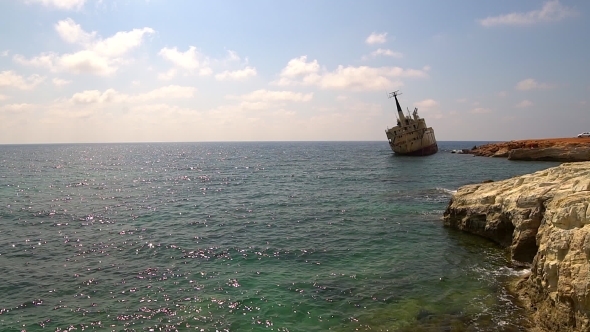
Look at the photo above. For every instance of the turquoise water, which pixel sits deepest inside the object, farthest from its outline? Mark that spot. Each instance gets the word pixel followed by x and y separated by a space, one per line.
pixel 315 236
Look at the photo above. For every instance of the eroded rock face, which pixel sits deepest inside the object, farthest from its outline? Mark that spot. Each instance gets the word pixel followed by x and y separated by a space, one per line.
pixel 543 219
pixel 563 153
pixel 550 149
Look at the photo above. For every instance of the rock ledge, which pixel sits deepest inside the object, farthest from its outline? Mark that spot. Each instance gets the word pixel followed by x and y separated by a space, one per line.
pixel 550 149
pixel 543 219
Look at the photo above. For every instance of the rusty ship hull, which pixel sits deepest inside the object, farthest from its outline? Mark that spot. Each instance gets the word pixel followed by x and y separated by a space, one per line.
pixel 411 136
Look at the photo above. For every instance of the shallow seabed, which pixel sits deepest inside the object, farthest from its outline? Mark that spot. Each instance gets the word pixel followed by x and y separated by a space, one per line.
pixel 308 236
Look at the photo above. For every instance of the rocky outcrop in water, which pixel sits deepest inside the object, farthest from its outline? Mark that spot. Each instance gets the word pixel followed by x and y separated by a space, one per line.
pixel 553 149
pixel 569 153
pixel 543 219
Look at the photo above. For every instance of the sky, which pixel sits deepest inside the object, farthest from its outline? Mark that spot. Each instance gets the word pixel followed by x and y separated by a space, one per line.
pixel 83 71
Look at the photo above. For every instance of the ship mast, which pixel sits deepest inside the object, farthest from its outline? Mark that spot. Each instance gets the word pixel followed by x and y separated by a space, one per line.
pixel 400 113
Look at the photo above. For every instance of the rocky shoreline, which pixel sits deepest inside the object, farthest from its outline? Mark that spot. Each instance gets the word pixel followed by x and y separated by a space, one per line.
pixel 541 219
pixel 549 149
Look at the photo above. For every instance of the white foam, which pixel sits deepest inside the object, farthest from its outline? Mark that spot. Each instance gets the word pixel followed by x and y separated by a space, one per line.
pixel 445 190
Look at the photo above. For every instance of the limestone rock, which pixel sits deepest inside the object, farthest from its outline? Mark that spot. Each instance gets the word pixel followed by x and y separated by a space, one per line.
pixel 552 149
pixel 503 152
pixel 552 154
pixel 543 218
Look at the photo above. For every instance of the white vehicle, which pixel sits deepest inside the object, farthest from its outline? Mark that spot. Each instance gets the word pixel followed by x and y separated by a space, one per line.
pixel 586 134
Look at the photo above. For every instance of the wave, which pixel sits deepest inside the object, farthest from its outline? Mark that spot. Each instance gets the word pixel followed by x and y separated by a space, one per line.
pixel 450 192
pixel 503 271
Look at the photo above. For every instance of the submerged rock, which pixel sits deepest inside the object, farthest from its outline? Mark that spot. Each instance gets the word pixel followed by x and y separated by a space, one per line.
pixel 542 219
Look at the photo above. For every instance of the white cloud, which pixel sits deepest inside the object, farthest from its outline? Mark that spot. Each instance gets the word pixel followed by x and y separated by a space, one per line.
pixel 190 60
pixel 121 43
pixel 93 96
pixel 230 59
pixel 205 71
pixel 481 110
pixel 61 4
pixel 356 78
pixel 15 108
pixel 60 82
pixel 376 38
pixel 551 11
pixel 10 79
pixel 384 52
pixel 113 96
pixel 324 109
pixel 254 106
pixel 170 91
pixel 3 97
pixel 301 72
pixel 273 96
pixel 524 104
pixel 236 75
pixel 232 56
pixel 45 60
pixel 428 103
pixel 170 74
pixel 462 100
pixel 300 66
pixel 531 84
pixel 502 94
pixel 4 53
pixel 341 98
pixel 73 33
pixel 87 62
pixel 98 56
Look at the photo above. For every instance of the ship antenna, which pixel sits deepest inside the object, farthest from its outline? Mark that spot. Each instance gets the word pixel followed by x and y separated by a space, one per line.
pixel 393 94
pixel 400 112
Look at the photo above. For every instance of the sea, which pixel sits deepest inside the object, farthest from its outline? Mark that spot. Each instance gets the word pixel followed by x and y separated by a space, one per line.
pixel 247 236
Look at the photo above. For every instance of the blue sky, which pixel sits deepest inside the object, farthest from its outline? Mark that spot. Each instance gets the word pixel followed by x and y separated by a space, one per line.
pixel 75 71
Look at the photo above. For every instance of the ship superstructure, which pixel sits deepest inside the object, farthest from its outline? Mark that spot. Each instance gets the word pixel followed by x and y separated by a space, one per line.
pixel 411 136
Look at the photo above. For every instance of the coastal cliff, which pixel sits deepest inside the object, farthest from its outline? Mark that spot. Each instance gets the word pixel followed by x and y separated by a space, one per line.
pixel 550 149
pixel 542 218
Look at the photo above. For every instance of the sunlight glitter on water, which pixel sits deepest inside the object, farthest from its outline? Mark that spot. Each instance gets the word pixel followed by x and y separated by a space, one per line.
pixel 249 236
